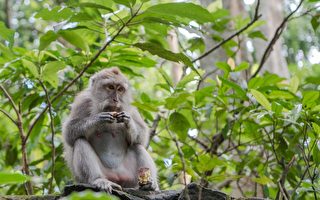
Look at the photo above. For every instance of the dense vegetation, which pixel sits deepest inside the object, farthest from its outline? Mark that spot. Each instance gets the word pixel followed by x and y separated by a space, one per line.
pixel 258 134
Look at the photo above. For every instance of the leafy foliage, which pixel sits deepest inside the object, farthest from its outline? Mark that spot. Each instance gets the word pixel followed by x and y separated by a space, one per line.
pixel 224 128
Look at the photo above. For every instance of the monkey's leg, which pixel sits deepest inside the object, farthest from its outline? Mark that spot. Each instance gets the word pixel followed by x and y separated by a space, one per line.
pixel 144 160
pixel 87 166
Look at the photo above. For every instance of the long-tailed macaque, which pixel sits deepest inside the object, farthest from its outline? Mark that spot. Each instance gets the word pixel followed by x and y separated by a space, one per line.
pixel 105 136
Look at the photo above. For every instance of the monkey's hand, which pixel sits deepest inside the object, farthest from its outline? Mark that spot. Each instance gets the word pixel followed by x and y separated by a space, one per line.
pixel 106 117
pixel 106 185
pixel 123 117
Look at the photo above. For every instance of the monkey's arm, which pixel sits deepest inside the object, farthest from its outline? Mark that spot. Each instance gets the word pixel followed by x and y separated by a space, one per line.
pixel 81 122
pixel 136 129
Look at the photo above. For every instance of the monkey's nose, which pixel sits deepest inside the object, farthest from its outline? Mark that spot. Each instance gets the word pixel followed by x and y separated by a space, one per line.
pixel 115 100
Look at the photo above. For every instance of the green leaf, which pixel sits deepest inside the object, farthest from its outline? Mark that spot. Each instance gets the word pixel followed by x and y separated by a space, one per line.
pixel 257 34
pixel 261 99
pixel 56 14
pixel 50 72
pixel 186 79
pixel 189 11
pixel 94 5
pixel 6 34
pixel 276 108
pixel 316 154
pixel 128 3
pixel 224 66
pixel 242 94
pixel 46 39
pixel 179 124
pixel 166 77
pixel 263 180
pixel 75 39
pixel 241 67
pixel 309 98
pixel 31 67
pixel 12 178
pixel 145 106
pixel 315 22
pixel 174 101
pixel 316 128
pixel 158 50
pixel 294 84
pixel 280 94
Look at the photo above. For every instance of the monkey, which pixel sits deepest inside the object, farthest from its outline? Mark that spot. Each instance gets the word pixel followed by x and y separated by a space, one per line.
pixel 105 137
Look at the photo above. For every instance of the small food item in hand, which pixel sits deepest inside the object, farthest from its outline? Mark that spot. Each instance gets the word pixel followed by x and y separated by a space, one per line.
pixel 114 114
pixel 144 176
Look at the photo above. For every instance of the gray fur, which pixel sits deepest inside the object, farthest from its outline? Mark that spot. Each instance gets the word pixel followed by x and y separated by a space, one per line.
pixel 100 145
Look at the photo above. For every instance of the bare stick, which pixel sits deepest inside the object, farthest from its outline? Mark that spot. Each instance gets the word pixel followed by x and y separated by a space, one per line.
pixel 95 57
pixel 255 18
pixel 19 124
pixel 53 150
pixel 275 38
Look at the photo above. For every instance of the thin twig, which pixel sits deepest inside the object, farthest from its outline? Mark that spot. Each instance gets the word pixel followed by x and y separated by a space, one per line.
pixel 255 18
pixel 53 150
pixel 8 115
pixel 181 155
pixel 95 57
pixel 19 124
pixel 14 106
pixel 275 38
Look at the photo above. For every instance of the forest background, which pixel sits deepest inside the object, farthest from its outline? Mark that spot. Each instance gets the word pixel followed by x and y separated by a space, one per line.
pixel 229 89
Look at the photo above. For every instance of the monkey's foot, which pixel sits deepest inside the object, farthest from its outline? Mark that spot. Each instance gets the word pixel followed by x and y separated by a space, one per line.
pixel 106 185
pixel 150 186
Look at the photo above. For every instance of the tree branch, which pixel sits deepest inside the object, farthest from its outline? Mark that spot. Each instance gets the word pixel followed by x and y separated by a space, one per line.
pixel 255 18
pixel 8 115
pixel 275 38
pixel 95 57
pixel 53 152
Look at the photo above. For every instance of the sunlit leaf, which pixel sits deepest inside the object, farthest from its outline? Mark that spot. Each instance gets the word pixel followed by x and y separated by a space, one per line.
pixel 46 39
pixel 262 180
pixel 181 10
pixel 163 53
pixel 31 67
pixel 75 39
pixel 261 99
pixel 12 178
pixel 50 72
pixel 6 33
pixel 56 14
pixel 242 94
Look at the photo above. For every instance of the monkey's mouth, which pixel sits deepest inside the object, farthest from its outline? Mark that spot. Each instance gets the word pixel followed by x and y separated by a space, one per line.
pixel 111 109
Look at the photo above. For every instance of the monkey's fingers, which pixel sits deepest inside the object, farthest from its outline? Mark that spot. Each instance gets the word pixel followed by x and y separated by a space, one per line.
pixel 105 116
pixel 122 117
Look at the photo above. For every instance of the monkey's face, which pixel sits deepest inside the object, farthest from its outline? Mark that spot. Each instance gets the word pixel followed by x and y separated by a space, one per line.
pixel 110 94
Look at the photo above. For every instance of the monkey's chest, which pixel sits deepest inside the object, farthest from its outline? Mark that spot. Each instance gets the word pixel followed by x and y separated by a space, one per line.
pixel 111 147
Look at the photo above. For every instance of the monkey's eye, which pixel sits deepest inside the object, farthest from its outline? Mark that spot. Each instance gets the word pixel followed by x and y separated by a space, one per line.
pixel 110 87
pixel 120 89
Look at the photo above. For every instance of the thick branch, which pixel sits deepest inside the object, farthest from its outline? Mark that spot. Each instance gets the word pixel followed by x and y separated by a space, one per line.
pixel 95 57
pixel 275 38
pixel 255 18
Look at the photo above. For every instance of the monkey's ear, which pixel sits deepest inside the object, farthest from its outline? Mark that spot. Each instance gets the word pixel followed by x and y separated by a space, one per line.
pixel 115 70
